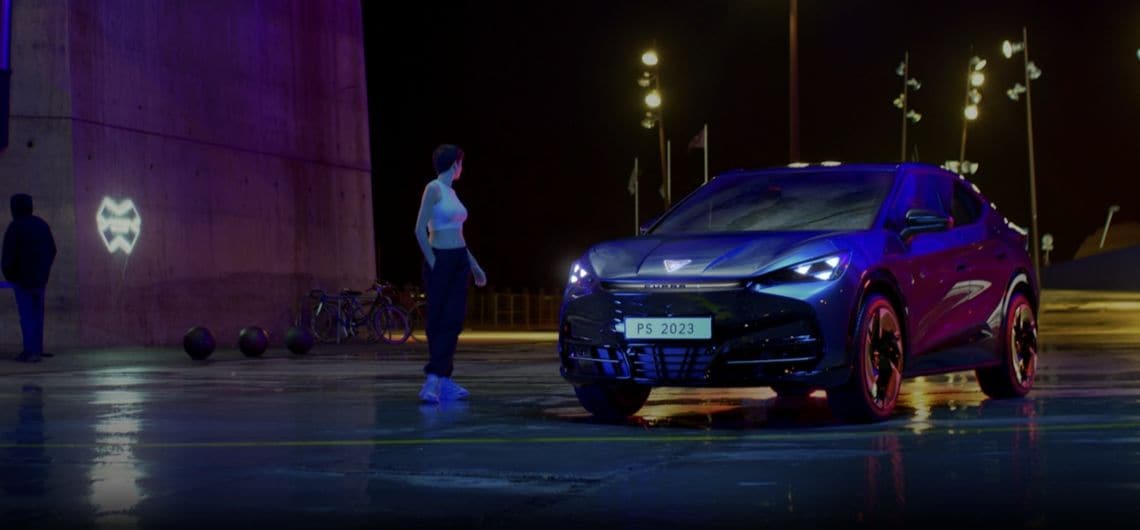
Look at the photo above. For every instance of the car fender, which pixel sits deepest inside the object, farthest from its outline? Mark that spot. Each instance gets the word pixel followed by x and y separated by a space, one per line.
pixel 879 280
pixel 1019 278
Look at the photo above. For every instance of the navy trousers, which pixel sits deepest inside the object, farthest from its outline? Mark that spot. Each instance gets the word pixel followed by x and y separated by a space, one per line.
pixel 446 307
pixel 30 304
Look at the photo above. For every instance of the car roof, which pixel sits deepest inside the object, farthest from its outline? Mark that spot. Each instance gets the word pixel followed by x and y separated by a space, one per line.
pixel 894 167
pixel 805 167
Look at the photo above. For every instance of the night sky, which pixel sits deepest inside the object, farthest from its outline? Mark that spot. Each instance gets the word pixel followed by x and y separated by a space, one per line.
pixel 543 98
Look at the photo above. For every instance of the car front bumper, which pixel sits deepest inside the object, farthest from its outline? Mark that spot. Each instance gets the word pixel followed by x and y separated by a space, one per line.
pixel 794 333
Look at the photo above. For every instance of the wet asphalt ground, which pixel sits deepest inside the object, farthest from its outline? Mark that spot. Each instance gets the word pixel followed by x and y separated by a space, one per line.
pixel 147 438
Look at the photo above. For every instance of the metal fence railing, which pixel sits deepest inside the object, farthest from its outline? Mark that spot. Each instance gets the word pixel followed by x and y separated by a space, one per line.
pixel 513 309
pixel 487 308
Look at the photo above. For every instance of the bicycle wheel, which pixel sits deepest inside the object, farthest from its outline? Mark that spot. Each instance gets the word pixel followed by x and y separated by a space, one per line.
pixel 358 319
pixel 417 320
pixel 390 324
pixel 325 322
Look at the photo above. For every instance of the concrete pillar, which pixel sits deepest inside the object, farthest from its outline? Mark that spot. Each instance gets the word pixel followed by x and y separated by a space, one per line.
pixel 238 130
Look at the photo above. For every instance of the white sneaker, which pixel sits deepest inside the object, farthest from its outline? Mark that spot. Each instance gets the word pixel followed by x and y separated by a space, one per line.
pixel 450 390
pixel 430 392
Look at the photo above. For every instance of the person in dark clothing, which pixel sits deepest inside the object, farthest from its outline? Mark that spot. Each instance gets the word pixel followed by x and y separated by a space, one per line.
pixel 439 230
pixel 29 251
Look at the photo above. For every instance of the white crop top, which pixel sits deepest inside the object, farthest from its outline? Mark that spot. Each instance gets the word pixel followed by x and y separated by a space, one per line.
pixel 447 213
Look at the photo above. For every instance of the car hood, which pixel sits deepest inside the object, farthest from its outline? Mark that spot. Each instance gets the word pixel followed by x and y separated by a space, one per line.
pixel 729 255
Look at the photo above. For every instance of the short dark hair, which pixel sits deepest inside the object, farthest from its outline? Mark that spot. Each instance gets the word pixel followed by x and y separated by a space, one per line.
pixel 444 156
pixel 21 204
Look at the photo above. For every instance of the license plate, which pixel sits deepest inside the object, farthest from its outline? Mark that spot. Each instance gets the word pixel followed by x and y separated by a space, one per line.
pixel 668 328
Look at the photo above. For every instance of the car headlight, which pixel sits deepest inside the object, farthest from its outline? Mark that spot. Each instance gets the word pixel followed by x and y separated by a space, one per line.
pixel 823 269
pixel 582 278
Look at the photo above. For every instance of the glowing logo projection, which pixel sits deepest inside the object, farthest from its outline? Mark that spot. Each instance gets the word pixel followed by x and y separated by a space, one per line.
pixel 119 224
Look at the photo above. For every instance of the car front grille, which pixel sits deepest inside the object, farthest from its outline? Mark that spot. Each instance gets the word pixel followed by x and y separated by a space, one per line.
pixel 693 364
pixel 671 364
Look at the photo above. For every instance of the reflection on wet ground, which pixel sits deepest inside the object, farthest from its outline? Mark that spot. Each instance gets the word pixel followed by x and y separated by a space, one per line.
pixel 336 441
pixel 760 408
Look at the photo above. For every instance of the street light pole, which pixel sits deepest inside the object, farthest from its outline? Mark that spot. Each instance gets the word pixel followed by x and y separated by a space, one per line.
pixel 636 199
pixel 793 82
pixel 664 163
pixel 1031 73
pixel 1032 170
pixel 965 120
pixel 974 80
pixel 656 113
pixel 661 131
pixel 905 103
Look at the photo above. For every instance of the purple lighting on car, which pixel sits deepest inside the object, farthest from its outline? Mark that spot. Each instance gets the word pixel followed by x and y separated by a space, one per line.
pixel 5 35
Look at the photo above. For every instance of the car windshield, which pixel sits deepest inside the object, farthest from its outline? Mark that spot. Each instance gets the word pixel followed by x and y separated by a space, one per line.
pixel 821 200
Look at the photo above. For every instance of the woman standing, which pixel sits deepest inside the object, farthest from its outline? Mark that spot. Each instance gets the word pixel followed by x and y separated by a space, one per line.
pixel 439 230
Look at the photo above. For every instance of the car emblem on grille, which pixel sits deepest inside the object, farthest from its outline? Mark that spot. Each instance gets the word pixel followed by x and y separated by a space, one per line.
pixel 675 264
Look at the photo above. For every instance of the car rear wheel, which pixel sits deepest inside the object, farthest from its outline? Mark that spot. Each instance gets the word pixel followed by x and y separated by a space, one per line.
pixel 1014 376
pixel 873 390
pixel 612 401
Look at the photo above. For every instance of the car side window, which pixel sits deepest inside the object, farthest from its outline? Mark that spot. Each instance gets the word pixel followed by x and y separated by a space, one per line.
pixel 929 194
pixel 924 191
pixel 966 208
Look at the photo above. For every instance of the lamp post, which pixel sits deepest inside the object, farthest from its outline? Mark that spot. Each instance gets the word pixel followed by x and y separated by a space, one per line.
pixel 655 116
pixel 903 101
pixel 1031 73
pixel 793 81
pixel 974 80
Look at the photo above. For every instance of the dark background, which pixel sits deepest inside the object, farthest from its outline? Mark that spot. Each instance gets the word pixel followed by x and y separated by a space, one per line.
pixel 543 98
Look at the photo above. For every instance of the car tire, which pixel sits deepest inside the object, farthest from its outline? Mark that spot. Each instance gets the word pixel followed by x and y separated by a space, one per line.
pixel 877 359
pixel 1014 376
pixel 612 401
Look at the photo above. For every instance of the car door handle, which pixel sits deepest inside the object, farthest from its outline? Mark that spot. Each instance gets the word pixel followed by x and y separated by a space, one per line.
pixel 1001 255
pixel 962 266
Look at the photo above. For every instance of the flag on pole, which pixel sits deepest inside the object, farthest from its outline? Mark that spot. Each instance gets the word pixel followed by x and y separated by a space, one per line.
pixel 698 141
pixel 633 179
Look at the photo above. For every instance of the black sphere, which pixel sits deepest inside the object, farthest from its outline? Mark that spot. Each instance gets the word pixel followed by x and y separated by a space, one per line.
pixel 198 343
pixel 299 340
pixel 252 341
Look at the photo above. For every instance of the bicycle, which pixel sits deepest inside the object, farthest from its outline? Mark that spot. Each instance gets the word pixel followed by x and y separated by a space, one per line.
pixel 414 302
pixel 337 317
pixel 390 321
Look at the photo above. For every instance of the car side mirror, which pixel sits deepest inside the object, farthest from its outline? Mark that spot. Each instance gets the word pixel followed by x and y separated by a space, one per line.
pixel 919 221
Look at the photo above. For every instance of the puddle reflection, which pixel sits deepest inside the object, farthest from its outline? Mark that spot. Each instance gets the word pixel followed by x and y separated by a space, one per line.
pixel 24 468
pixel 115 472
pixel 884 482
pixel 925 401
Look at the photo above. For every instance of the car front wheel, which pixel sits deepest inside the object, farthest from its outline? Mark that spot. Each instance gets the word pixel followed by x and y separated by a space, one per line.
pixel 612 401
pixel 1014 376
pixel 873 390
